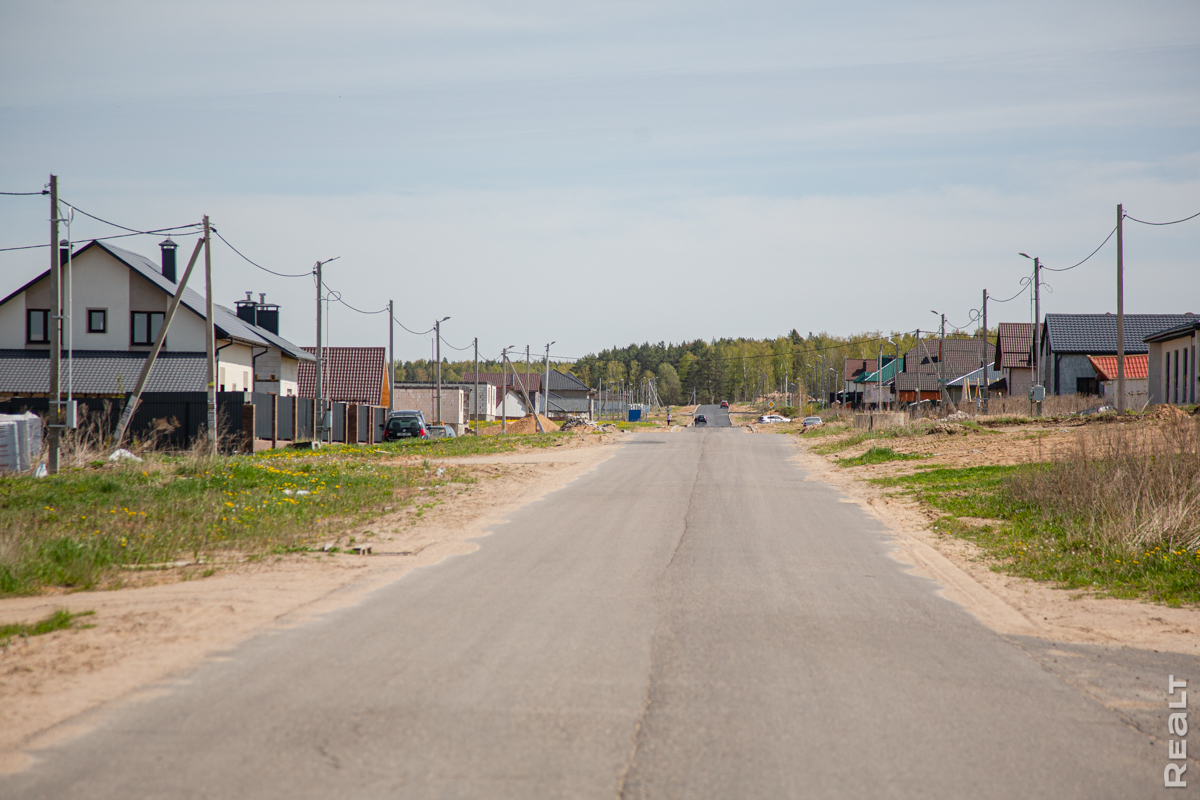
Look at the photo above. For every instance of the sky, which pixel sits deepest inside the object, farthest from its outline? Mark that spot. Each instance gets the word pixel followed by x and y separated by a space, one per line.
pixel 601 173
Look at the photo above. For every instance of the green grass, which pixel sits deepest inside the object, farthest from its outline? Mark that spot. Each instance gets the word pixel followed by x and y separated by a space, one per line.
pixel 878 455
pixel 861 436
pixel 80 527
pixel 59 620
pixel 1039 543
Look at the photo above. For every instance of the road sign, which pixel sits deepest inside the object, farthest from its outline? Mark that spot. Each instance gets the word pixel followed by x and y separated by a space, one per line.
pixel 771 404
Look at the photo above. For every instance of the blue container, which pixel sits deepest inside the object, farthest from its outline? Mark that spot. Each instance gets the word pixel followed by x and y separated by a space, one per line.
pixel 635 415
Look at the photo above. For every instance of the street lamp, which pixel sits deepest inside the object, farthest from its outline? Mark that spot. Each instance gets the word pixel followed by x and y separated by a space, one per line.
pixel 546 384
pixel 895 368
pixel 941 361
pixel 1037 333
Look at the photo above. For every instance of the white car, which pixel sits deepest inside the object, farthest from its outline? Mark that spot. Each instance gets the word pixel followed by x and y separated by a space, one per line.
pixel 769 418
pixel 812 422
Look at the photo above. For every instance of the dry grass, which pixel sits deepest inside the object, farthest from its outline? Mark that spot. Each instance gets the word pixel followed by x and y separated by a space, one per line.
pixel 1127 487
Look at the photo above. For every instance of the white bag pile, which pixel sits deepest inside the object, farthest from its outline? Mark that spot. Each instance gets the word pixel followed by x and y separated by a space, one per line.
pixel 20 441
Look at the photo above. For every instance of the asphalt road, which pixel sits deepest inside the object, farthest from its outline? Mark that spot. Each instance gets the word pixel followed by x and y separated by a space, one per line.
pixel 717 417
pixel 690 620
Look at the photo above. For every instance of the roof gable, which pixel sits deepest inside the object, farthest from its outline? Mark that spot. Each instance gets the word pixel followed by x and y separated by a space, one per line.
pixel 1016 345
pixel 1136 366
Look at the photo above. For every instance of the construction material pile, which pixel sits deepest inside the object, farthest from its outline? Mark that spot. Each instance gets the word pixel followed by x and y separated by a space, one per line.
pixel 527 424
pixel 577 423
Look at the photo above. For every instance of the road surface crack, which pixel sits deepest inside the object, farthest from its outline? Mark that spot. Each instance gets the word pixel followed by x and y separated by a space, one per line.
pixel 635 746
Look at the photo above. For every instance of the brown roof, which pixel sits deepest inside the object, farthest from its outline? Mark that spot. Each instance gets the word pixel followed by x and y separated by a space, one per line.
pixel 857 366
pixel 961 356
pixel 907 381
pixel 1136 366
pixel 352 375
pixel 1016 345
pixel 514 380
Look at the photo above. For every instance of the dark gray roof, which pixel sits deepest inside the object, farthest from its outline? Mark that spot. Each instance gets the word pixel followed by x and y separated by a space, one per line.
pixel 101 372
pixel 566 382
pixel 1096 334
pixel 1173 333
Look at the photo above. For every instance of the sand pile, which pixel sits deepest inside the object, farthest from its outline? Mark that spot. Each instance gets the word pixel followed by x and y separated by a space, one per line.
pixel 526 424
pixel 1168 412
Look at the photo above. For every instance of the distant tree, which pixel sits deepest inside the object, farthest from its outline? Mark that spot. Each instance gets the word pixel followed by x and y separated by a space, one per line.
pixel 670 390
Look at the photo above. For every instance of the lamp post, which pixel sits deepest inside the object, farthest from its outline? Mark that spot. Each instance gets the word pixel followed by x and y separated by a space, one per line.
pixel 437 327
pixel 895 369
pixel 1037 337
pixel 941 362
pixel 546 383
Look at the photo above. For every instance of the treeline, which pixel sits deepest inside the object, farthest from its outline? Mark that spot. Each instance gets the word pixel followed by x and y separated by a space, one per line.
pixel 424 370
pixel 741 369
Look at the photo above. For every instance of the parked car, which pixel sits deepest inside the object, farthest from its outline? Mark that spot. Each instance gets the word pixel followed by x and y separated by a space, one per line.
pixel 415 412
pixel 812 422
pixel 441 432
pixel 724 404
pixel 768 419
pixel 700 420
pixel 405 425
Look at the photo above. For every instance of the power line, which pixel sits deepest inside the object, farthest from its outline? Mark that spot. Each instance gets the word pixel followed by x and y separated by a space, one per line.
pixel 1026 282
pixel 25 194
pixel 1097 250
pixel 1172 222
pixel 102 238
pixel 452 347
pixel 260 266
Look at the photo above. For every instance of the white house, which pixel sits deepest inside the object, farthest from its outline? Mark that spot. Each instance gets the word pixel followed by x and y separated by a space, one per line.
pixel 119 303
pixel 1173 377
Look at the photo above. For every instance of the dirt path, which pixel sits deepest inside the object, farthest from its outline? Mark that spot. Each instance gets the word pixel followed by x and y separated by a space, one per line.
pixel 143 635
pixel 1007 604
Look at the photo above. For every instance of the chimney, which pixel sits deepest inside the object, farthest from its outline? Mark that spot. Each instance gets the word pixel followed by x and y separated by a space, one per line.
pixel 245 308
pixel 267 315
pixel 168 259
pixel 64 252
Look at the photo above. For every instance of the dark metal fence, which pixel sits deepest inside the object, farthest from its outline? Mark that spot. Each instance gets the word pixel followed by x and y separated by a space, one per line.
pixel 339 421
pixel 287 415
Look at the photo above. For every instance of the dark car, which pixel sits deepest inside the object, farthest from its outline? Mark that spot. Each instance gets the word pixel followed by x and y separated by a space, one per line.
pixel 724 404
pixel 405 427
pixel 701 420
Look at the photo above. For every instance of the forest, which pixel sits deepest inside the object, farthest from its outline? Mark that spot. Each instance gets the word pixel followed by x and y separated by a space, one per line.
pixel 730 369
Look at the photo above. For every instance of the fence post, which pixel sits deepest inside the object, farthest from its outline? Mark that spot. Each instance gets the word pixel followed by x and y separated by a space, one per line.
pixel 248 429
pixel 352 423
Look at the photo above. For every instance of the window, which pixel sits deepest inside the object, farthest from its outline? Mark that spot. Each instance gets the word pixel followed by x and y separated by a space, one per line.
pixel 37 326
pixel 97 320
pixel 146 325
pixel 1085 386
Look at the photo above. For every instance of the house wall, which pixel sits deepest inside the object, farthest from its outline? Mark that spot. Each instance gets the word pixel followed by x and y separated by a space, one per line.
pixel 99 281
pixel 1062 371
pixel 424 400
pixel 1020 379
pixel 1180 385
pixel 277 373
pixel 234 368
pixel 1137 392
pixel 12 325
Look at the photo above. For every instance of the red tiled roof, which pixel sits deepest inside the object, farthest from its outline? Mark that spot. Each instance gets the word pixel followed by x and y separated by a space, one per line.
pixel 352 375
pixel 514 380
pixel 1136 366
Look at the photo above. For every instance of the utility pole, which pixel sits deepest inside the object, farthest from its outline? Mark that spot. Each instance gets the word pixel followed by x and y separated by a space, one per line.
pixel 210 337
pixel 1120 311
pixel 1037 328
pixel 984 407
pixel 319 412
pixel 54 432
pixel 504 391
pixel 546 383
pixel 391 359
pixel 526 386
pixel 942 363
pixel 476 393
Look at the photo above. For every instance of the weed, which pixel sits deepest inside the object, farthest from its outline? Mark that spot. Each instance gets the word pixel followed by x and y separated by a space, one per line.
pixel 878 455
pixel 60 619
